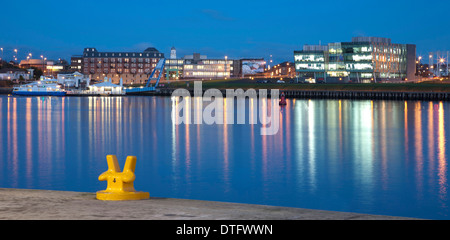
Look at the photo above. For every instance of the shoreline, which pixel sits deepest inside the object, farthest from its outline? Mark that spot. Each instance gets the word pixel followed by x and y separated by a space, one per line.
pixel 311 92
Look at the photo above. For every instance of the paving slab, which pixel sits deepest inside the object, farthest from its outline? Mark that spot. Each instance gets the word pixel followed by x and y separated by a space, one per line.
pixel 28 204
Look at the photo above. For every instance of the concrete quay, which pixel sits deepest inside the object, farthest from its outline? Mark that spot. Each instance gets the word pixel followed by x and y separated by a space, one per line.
pixel 334 94
pixel 26 204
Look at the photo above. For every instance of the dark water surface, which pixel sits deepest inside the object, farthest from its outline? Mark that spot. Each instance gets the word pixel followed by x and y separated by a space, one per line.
pixel 377 157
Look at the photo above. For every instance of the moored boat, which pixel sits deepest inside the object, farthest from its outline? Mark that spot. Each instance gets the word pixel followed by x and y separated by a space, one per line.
pixel 44 87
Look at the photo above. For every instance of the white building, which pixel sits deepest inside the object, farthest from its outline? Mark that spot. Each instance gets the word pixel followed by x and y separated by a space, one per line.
pixel 107 88
pixel 73 79
pixel 13 74
pixel 173 53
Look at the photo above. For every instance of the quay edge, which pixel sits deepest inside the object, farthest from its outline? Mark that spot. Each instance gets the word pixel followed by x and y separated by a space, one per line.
pixel 30 204
pixel 5 90
pixel 310 94
pixel 332 94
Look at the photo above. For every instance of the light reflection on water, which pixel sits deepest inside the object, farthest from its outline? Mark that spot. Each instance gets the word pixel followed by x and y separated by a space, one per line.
pixel 381 157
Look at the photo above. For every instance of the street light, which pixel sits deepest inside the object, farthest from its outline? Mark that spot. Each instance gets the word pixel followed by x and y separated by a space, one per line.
pixel 42 56
pixel 226 57
pixel 430 60
pixel 419 67
pixel 441 60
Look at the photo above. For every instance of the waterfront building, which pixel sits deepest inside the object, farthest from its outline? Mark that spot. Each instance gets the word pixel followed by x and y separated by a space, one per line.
pixel 136 67
pixel 107 88
pixel 73 79
pixel 173 66
pixel 15 74
pixel 132 67
pixel 48 67
pixel 36 63
pixel 364 59
pixel 197 66
pixel 248 67
pixel 200 67
pixel 76 63
pixel 55 67
pixel 437 62
pixel 173 69
pixel 284 69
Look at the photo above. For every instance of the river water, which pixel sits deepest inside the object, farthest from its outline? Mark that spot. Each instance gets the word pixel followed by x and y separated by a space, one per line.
pixel 376 157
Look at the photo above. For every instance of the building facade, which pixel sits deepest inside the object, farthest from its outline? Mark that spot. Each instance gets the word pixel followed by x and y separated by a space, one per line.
pixel 15 74
pixel 36 63
pixel 173 67
pixel 364 59
pixel 76 63
pixel 284 69
pixel 249 67
pixel 136 67
pixel 199 67
pixel 132 67
pixel 73 79
pixel 48 67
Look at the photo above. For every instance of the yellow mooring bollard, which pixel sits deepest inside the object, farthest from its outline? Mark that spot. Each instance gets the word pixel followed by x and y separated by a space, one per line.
pixel 120 184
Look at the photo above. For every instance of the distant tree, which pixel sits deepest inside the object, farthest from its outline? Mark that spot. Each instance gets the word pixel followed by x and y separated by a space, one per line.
pixel 8 65
pixel 37 72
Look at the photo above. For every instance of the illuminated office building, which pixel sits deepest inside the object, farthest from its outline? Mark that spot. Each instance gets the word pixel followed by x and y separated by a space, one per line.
pixel 48 67
pixel 198 66
pixel 364 59
pixel 173 67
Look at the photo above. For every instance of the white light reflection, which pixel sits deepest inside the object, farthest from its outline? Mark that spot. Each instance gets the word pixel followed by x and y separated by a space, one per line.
pixel 383 141
pixel 252 132
pixel 300 107
pixel 187 108
pixel 312 145
pixel 28 136
pixel 14 159
pixel 174 134
pixel 363 145
pixel 226 167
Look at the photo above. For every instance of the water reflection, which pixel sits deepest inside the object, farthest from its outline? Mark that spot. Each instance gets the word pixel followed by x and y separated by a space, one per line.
pixel 418 145
pixel 442 158
pixel 382 157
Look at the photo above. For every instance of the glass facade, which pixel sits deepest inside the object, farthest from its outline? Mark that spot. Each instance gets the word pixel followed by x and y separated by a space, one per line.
pixel 362 60
pixel 174 69
pixel 214 68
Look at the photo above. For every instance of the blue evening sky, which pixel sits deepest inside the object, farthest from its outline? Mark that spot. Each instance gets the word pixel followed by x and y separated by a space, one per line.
pixel 237 29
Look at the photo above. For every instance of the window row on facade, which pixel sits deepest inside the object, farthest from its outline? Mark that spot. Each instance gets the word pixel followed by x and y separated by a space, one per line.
pixel 364 57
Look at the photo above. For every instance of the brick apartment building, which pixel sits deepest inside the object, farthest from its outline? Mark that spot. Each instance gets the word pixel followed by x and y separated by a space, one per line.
pixel 132 67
